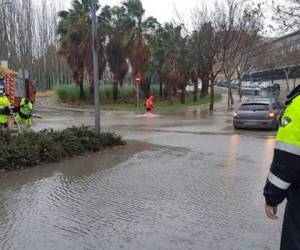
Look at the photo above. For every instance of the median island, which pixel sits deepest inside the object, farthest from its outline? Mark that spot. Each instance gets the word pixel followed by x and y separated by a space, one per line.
pixel 70 95
pixel 24 149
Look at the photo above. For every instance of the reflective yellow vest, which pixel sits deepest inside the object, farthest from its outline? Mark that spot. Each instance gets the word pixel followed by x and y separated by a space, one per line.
pixel 288 135
pixel 25 109
pixel 4 102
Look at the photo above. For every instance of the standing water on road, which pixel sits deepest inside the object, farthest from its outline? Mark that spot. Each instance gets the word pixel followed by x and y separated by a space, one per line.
pixel 186 191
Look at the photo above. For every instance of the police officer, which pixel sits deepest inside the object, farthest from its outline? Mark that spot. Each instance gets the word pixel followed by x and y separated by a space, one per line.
pixel 284 178
pixel 25 112
pixel 4 110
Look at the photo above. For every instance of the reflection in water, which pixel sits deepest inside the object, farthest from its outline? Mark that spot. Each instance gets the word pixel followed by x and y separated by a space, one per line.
pixel 267 156
pixel 233 150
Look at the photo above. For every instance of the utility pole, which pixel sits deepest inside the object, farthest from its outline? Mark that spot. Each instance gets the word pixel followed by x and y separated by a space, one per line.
pixel 95 67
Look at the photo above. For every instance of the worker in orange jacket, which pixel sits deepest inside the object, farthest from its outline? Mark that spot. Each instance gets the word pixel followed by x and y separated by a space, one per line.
pixel 149 103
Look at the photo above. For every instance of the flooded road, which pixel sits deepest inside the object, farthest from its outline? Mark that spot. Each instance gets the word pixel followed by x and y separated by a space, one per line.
pixel 187 181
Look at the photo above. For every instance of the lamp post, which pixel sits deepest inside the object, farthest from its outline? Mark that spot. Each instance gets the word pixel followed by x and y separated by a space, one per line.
pixel 95 67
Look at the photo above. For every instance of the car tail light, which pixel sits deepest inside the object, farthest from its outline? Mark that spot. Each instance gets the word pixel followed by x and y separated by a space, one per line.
pixel 271 115
pixel 235 114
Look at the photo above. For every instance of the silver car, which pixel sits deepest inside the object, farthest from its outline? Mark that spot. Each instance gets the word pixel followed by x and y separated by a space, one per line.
pixel 258 114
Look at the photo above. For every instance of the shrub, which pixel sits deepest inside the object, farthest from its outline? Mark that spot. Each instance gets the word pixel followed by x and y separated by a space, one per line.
pixel 105 92
pixel 127 91
pixel 154 90
pixel 27 149
pixel 70 93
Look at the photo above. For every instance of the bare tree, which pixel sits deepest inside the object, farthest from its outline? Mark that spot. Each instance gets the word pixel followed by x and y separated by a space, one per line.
pixel 287 14
pixel 288 58
pixel 226 29
pixel 28 40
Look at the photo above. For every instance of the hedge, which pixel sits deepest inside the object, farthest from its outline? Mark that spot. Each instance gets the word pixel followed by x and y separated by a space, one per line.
pixel 70 93
pixel 28 148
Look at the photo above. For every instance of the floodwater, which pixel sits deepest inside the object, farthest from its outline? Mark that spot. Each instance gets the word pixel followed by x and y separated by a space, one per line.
pixel 187 181
pixel 191 192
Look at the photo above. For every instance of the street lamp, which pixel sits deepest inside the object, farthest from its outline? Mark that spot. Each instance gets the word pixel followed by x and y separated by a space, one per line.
pixel 95 67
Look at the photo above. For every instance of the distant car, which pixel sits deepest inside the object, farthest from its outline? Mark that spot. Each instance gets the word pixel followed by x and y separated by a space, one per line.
pixel 250 90
pixel 256 84
pixel 223 83
pixel 269 85
pixel 234 84
pixel 259 114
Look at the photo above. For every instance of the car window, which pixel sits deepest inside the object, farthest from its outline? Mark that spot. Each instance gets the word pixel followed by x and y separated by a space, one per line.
pixel 254 106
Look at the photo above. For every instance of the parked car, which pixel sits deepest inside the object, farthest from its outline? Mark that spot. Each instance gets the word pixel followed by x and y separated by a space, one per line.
pixel 256 84
pixel 259 114
pixel 250 90
pixel 223 83
pixel 234 84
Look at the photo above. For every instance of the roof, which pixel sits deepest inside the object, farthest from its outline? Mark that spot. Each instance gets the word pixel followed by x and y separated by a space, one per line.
pixel 261 100
pixel 4 71
pixel 285 36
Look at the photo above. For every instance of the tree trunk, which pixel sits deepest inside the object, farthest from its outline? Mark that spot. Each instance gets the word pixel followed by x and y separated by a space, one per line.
pixel 286 72
pixel 161 89
pixel 182 96
pixel 147 88
pixel 294 82
pixel 205 85
pixel 230 100
pixel 81 90
pixel 92 91
pixel 239 85
pixel 90 76
pixel 212 97
pixel 79 81
pixel 115 90
pixel 170 93
pixel 195 92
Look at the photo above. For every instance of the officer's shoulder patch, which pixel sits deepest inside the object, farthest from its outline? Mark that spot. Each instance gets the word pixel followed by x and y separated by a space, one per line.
pixel 285 121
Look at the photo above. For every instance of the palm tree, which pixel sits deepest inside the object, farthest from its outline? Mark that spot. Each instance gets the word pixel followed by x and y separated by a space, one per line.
pixel 74 31
pixel 140 30
pixel 157 59
pixel 174 53
pixel 117 44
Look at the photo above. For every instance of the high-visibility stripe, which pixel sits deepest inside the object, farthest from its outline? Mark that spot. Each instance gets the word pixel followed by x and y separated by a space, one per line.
pixel 278 182
pixel 287 148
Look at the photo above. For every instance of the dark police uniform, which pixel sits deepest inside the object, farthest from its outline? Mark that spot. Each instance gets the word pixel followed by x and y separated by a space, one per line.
pixel 284 177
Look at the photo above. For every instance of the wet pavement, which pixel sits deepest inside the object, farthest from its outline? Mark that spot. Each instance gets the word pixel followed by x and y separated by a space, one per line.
pixel 186 180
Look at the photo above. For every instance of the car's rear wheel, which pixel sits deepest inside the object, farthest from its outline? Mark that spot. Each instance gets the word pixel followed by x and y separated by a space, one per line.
pixel 235 126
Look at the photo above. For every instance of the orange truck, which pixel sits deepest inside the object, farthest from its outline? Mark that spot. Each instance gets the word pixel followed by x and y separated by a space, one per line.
pixel 16 86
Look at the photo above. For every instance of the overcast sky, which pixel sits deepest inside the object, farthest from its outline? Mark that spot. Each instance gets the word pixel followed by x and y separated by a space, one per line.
pixel 164 10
